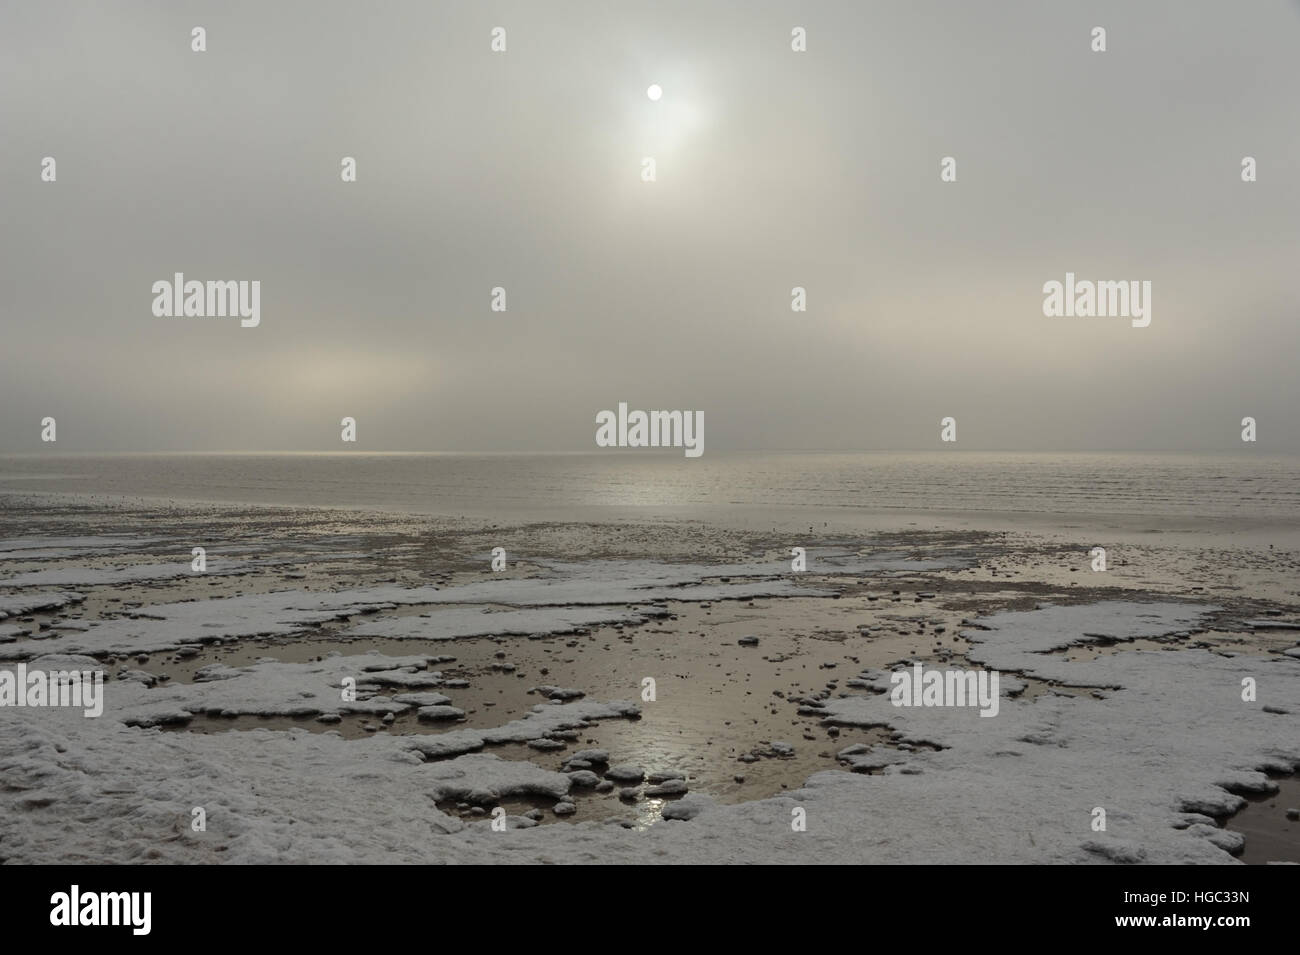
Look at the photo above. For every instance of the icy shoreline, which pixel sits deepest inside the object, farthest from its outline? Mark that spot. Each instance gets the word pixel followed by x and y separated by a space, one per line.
pixel 1163 742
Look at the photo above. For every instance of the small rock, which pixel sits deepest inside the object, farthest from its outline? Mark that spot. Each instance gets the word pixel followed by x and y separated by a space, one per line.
pixel 684 809
pixel 672 787
pixel 138 676
pixel 436 714
pixel 625 773
pixel 559 692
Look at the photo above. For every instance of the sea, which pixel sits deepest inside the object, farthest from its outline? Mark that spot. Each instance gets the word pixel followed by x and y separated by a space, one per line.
pixel 966 488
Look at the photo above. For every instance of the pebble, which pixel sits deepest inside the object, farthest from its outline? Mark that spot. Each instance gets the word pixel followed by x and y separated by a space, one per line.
pixel 422 699
pixel 625 773
pixel 439 713
pixel 559 692
pixel 683 811
pixel 671 787
pixel 139 676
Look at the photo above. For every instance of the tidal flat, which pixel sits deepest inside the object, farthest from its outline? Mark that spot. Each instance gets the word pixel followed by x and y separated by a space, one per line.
pixel 354 686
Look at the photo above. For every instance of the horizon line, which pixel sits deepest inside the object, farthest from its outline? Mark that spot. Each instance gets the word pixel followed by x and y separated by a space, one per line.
pixel 668 451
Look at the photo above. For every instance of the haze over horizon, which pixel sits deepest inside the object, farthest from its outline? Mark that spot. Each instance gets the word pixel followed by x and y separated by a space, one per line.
pixel 775 169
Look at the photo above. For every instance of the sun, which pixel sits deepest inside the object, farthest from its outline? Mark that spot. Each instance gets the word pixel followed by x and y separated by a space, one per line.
pixel 654 92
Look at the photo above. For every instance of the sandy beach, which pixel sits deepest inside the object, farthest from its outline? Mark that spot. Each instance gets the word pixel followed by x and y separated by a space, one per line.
pixel 361 686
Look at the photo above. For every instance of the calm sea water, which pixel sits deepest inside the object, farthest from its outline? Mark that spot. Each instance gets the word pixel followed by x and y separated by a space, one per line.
pixel 596 486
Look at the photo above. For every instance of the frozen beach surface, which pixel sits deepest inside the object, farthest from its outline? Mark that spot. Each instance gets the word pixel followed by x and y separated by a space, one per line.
pixel 640 581
pixel 1160 739
pixel 450 623
pixel 271 688
pixel 42 548
pixel 13 605
pixel 168 626
pixel 116 576
pixel 1169 744
pixel 571 596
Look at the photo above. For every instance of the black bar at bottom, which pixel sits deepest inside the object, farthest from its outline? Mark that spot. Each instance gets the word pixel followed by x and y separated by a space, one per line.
pixel 335 904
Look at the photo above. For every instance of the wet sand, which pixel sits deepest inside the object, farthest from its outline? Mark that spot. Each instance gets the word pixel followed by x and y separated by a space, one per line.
pixel 719 706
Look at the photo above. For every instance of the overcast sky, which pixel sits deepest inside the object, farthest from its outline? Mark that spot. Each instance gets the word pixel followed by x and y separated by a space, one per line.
pixel 523 170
